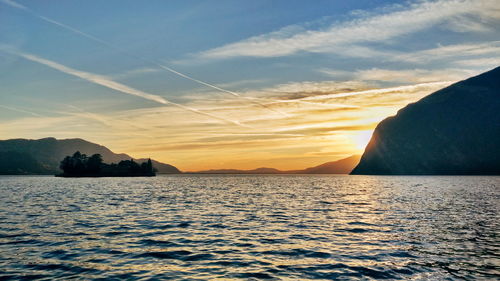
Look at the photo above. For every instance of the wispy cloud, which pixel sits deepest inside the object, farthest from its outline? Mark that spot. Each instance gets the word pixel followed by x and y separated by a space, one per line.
pixel 400 89
pixel 376 76
pixel 330 90
pixel 314 135
pixel 245 82
pixel 14 4
pixel 451 51
pixel 390 23
pixel 134 72
pixel 151 62
pixel 411 75
pixel 20 110
pixel 108 83
pixel 482 62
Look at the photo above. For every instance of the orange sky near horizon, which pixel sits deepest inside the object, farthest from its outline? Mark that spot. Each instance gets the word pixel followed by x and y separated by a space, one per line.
pixel 232 85
pixel 308 124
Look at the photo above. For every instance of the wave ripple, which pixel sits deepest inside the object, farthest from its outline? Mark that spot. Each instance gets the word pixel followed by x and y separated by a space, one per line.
pixel 249 227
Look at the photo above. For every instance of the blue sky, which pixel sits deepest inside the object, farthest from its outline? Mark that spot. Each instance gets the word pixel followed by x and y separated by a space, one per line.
pixel 250 74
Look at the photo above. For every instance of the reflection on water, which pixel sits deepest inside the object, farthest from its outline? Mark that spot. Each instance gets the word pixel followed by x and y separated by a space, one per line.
pixel 261 227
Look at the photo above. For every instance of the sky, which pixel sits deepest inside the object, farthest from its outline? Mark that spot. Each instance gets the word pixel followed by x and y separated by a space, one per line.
pixel 232 84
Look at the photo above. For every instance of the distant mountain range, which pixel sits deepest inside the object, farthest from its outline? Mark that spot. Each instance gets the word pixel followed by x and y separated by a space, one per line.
pixel 454 131
pixel 343 166
pixel 22 156
pixel 43 156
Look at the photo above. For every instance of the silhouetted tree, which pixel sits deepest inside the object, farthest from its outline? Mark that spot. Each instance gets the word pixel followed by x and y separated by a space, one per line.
pixel 81 165
pixel 149 166
pixel 94 163
pixel 66 164
pixel 78 162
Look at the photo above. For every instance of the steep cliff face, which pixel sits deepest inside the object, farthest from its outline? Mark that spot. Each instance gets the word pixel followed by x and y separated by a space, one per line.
pixel 454 131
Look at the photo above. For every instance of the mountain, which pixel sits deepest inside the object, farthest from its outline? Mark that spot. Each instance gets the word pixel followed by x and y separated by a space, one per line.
pixel 22 156
pixel 343 166
pixel 235 171
pixel 454 131
pixel 15 163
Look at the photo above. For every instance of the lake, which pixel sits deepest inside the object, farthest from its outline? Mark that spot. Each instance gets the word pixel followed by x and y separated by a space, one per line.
pixel 198 227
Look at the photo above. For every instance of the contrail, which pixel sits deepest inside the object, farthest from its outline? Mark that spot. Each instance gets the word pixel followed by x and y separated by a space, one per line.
pixel 101 118
pixel 105 121
pixel 106 82
pixel 164 67
pixel 340 105
pixel 21 110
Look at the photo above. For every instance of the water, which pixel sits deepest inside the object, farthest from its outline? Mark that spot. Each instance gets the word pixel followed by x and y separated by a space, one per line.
pixel 250 227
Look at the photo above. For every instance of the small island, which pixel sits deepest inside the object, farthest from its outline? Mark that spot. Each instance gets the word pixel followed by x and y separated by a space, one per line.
pixel 79 165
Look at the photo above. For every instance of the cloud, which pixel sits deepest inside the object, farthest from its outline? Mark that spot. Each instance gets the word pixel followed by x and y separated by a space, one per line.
pixel 151 62
pixel 336 73
pixel 20 110
pixel 108 83
pixel 411 75
pixel 463 24
pixel 327 130
pixel 315 134
pixel 308 91
pixel 14 4
pixel 244 82
pixel 133 73
pixel 491 48
pixel 318 100
pixel 399 89
pixel 306 88
pixel 104 120
pixel 404 76
pixel 482 62
pixel 323 114
pixel 391 23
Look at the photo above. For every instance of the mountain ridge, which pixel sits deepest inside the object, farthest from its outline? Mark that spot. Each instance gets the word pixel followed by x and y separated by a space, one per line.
pixel 341 166
pixel 44 155
pixel 453 131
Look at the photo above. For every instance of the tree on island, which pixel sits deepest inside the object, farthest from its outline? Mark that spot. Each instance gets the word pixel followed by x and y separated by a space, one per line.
pixel 94 163
pixel 79 165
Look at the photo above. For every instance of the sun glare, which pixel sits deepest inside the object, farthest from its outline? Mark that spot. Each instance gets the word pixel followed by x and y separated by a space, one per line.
pixel 361 139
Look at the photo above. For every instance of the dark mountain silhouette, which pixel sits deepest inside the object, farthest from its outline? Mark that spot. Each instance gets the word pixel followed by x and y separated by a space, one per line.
pixel 343 166
pixel 19 163
pixel 454 131
pixel 44 155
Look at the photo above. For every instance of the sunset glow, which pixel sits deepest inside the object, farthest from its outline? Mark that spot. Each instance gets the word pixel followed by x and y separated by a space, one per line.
pixel 362 138
pixel 285 94
pixel 249 139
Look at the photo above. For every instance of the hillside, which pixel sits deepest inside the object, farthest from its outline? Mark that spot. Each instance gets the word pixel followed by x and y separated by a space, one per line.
pixel 342 166
pixel 454 131
pixel 44 155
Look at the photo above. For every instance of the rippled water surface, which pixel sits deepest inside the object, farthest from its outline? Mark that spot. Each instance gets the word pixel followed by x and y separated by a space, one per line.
pixel 250 227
